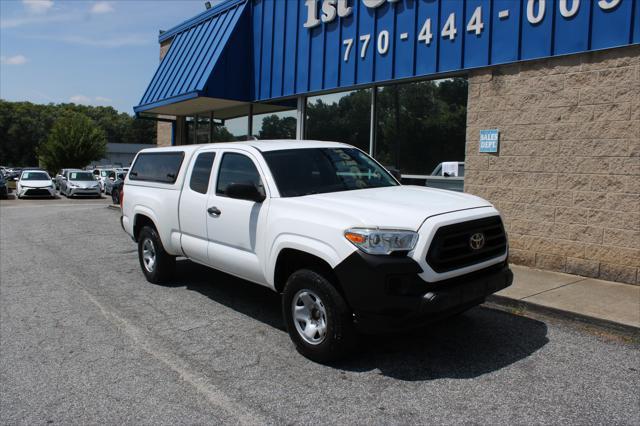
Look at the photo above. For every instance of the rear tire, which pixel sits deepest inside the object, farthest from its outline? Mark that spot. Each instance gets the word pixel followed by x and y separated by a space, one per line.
pixel 157 265
pixel 319 321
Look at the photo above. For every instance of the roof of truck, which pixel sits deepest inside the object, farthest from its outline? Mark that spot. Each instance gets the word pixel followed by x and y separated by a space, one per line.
pixel 260 145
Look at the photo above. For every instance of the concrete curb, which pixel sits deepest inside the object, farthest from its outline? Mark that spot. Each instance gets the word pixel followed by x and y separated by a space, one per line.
pixel 524 306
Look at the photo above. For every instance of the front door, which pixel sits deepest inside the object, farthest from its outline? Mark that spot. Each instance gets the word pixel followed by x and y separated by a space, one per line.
pixel 232 224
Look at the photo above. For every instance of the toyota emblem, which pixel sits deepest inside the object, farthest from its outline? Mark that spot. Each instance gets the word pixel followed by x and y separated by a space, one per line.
pixel 476 242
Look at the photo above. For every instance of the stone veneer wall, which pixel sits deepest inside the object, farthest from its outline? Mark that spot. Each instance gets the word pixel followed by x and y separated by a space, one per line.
pixel 567 177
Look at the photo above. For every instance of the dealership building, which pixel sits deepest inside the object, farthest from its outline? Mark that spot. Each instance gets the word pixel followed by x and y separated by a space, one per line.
pixel 537 101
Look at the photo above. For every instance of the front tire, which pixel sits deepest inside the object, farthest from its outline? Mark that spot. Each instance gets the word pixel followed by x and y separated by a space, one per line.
pixel 157 265
pixel 317 317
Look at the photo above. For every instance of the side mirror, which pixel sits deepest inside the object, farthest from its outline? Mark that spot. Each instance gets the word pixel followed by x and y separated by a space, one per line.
pixel 244 191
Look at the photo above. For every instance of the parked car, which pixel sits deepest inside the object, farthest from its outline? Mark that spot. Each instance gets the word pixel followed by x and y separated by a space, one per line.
pixel 448 175
pixel 13 174
pixel 35 183
pixel 113 179
pixel 101 175
pixel 77 183
pixel 348 247
pixel 60 176
pixel 4 189
pixel 117 191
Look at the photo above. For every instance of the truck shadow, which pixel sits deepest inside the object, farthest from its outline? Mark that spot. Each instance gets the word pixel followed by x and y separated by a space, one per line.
pixel 480 341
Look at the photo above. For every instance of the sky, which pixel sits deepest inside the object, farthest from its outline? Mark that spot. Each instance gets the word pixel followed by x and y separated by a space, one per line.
pixel 81 51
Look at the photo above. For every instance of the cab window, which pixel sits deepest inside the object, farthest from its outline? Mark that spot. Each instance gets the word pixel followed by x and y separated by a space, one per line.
pixel 202 172
pixel 237 168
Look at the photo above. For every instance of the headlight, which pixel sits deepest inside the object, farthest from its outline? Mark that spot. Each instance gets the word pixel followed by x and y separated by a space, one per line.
pixel 381 241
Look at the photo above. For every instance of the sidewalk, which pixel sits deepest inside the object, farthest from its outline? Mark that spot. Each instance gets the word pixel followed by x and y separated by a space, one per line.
pixel 589 299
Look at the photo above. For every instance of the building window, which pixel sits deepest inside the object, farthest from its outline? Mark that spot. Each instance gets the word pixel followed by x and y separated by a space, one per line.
pixel 189 130
pixel 275 125
pixel 421 124
pixel 202 128
pixel 340 117
pixel 231 129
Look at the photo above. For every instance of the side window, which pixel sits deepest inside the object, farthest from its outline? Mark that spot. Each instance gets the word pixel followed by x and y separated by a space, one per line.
pixel 202 172
pixel 237 168
pixel 157 166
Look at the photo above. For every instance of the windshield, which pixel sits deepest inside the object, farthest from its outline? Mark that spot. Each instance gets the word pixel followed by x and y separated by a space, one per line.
pixel 307 171
pixel 35 176
pixel 81 176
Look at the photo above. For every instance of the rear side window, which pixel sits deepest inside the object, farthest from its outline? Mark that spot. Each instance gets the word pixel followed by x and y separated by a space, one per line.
pixel 160 167
pixel 202 172
pixel 237 168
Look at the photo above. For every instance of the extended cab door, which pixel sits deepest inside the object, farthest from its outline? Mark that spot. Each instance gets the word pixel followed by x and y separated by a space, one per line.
pixel 234 224
pixel 193 206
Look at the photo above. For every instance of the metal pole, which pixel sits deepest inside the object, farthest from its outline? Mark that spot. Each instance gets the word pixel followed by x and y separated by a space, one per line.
pixel 373 125
pixel 250 123
pixel 195 129
pixel 211 127
pixel 302 113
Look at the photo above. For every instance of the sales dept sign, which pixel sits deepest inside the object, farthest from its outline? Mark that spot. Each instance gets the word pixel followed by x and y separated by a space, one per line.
pixel 489 140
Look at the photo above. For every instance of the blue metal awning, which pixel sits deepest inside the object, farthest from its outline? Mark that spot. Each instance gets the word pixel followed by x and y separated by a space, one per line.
pixel 197 63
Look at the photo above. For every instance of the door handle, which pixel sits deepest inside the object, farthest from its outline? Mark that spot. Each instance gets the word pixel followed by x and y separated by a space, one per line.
pixel 214 211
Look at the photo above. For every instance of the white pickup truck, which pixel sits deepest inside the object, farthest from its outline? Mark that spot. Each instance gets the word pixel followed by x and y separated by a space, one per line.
pixel 350 249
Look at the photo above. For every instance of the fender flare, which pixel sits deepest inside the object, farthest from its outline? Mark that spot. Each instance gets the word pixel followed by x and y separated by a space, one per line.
pixel 305 244
pixel 144 211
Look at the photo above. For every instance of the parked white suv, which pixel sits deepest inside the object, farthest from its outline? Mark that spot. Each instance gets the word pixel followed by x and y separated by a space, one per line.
pixel 347 246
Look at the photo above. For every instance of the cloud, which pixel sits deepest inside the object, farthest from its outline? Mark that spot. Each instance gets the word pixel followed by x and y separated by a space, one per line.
pixel 80 99
pixel 87 100
pixel 28 20
pixel 108 42
pixel 101 7
pixel 13 60
pixel 38 6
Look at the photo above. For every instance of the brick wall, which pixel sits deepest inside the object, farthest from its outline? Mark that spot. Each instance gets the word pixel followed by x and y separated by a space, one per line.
pixel 164 128
pixel 567 177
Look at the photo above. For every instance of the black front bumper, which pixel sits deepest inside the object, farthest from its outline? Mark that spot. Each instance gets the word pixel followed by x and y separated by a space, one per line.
pixel 386 293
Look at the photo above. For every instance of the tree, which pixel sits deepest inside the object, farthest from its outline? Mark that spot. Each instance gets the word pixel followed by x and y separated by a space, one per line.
pixel 74 141
pixel 25 126
pixel 274 127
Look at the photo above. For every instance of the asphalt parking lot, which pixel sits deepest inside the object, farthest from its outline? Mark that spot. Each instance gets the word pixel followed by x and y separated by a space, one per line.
pixel 85 339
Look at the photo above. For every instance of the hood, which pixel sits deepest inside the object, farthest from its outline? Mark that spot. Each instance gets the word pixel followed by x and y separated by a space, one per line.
pixel 84 183
pixel 36 183
pixel 402 207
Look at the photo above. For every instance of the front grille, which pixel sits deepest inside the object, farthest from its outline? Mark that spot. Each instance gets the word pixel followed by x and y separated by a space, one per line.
pixel 37 192
pixel 451 248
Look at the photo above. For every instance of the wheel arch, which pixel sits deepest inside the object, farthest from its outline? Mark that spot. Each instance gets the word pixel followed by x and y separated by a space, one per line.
pixel 140 220
pixel 290 260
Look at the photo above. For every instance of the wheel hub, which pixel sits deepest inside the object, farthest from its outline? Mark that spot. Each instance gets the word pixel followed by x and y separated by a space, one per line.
pixel 309 316
pixel 148 255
